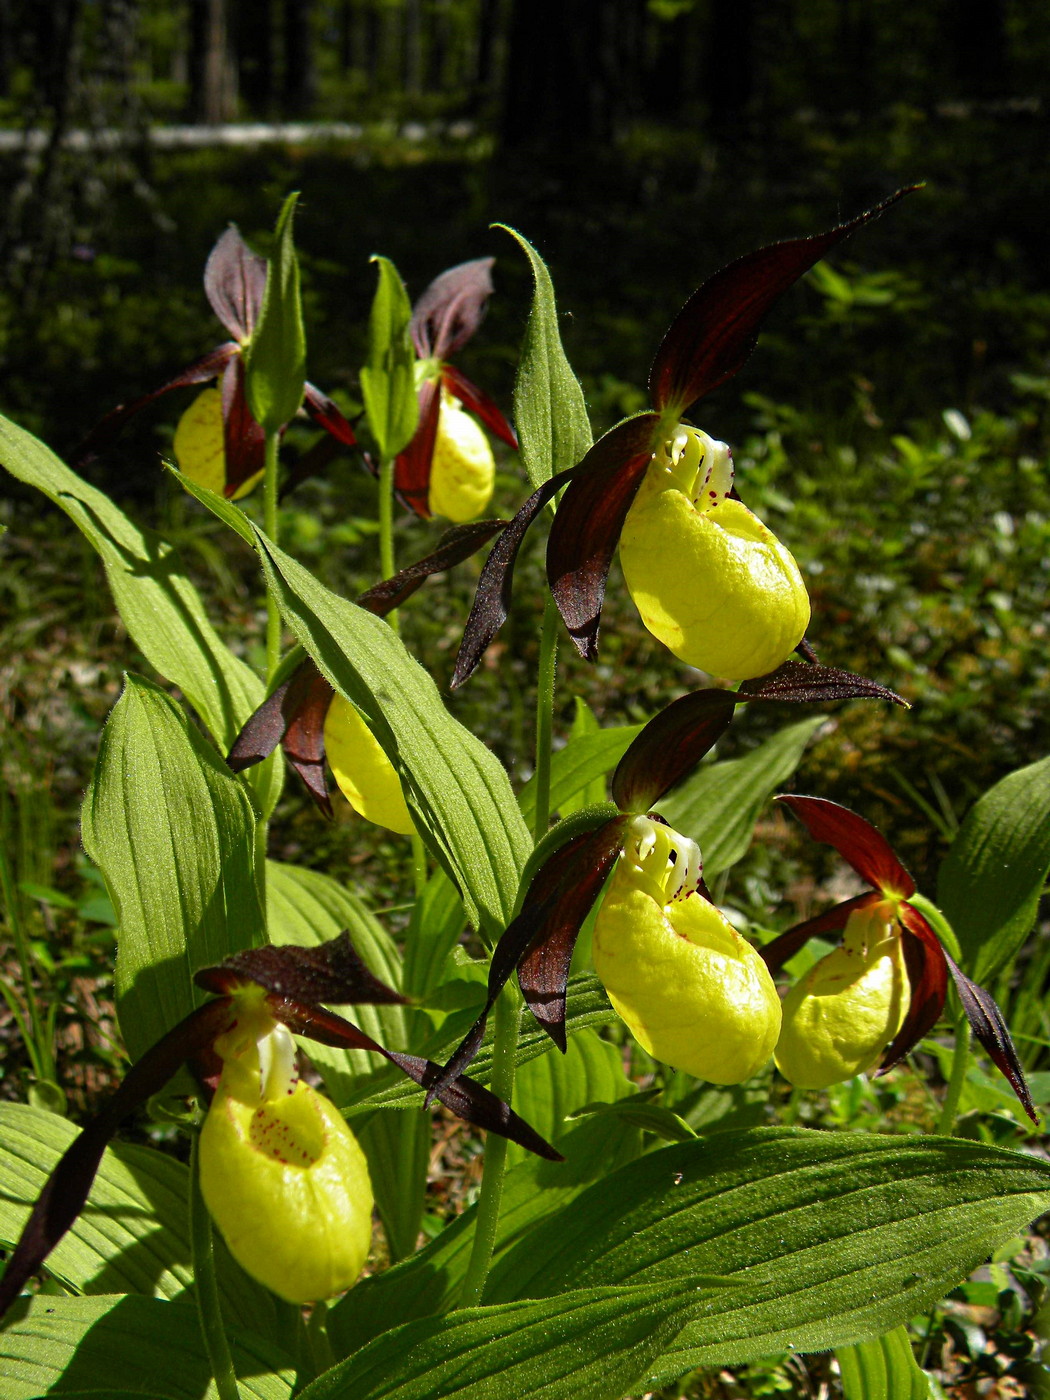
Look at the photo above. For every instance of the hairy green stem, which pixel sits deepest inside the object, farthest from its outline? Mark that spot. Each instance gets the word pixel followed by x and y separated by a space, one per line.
pixel 419 864
pixel 38 1042
pixel 216 1347
pixel 545 717
pixel 270 525
pixel 504 1047
pixel 957 1078
pixel 386 527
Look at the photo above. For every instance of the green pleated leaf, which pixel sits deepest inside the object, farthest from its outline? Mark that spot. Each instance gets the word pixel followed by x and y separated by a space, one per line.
pixel 549 1088
pixel 989 884
pixel 173 832
pixel 719 804
pixel 554 431
pixel 575 767
pixel 52 1345
pixel 882 1369
pixel 275 357
pixel 647 1117
pixel 157 603
pixel 590 1344
pixel 306 907
pixel 830 1237
pixel 433 932
pixel 132 1236
pixel 388 384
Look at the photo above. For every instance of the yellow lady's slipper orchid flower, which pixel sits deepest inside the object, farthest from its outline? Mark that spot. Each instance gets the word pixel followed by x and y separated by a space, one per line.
pixel 365 775
pixel 462 469
pixel 199 445
pixel 839 1017
pixel 693 992
pixel 709 579
pixel 281 1173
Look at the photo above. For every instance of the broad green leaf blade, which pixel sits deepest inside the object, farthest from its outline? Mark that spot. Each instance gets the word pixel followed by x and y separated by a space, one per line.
pixel 591 1344
pixel 306 907
pixel 554 430
pixel 831 1237
pixel 157 603
pixel 173 832
pixel 388 383
pixel 459 789
pixel 990 882
pixel 719 804
pixel 52 1345
pixel 578 764
pixel 132 1235
pixel 882 1369
pixel 275 358
pixel 551 1087
pixel 429 1282
pixel 433 932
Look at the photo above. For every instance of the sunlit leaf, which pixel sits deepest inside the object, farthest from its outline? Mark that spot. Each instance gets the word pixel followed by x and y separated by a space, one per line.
pixel 883 1368
pixel 275 358
pixel 388 378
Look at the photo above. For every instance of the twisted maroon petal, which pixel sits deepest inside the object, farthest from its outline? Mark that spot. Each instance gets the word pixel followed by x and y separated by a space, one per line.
pixel 328 415
pixel 715 331
pixel 455 545
pixel 243 439
pixel 477 401
pixel 859 843
pixel 803 681
pixel 927 968
pixel 587 527
pixel 991 1030
pixel 330 972
pixel 783 948
pixel 412 466
pixel 672 743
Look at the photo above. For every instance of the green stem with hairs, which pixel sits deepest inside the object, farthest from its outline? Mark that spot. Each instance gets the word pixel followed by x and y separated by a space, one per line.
pixel 270 525
pixel 957 1078
pixel 386 528
pixel 216 1347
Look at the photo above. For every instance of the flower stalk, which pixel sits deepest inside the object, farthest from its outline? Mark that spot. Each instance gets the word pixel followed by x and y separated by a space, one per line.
pixel 202 1250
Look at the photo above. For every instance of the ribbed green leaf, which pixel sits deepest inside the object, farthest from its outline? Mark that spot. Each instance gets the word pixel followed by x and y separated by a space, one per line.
pixel 554 430
pixel 132 1236
pixel 551 1087
pixel 989 884
pixel 173 832
pixel 882 1369
pixel 157 603
pixel 831 1237
pixel 275 358
pixel 590 1344
pixel 434 928
pixel 578 764
pixel 306 907
pixel 429 1282
pixel 52 1345
pixel 388 384
pixel 719 804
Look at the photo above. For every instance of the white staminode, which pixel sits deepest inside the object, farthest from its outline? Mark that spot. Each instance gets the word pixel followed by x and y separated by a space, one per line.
pixel 664 859
pixel 278 1074
pixel 701 466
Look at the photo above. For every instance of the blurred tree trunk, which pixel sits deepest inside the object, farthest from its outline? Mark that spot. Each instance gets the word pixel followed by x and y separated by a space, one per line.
pixel 300 74
pixel 253 43
pixel 213 78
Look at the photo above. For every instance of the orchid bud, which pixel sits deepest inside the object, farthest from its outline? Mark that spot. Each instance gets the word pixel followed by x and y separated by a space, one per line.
pixel 199 445
pixel 462 470
pixel 364 774
pixel 847 1008
pixel 693 992
pixel 281 1173
pixel 709 579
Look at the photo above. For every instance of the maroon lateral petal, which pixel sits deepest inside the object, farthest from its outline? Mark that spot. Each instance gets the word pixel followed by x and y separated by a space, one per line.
pixel 451 309
pixel 243 439
pixel 330 972
pixel 66 1189
pixel 303 742
pixel 587 527
pixel 927 967
pixel 543 970
pixel 266 727
pixel 234 282
pixel 783 948
pixel 715 331
pixel 556 903
pixel 491 603
pixel 455 545
pixel 412 466
pixel 991 1030
pixel 672 743
pixel 328 415
pixel 209 366
pixel 466 1098
pixel 478 402
pixel 801 681
pixel 859 843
